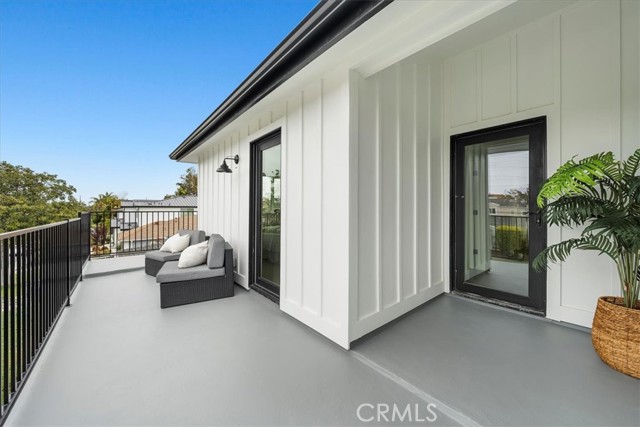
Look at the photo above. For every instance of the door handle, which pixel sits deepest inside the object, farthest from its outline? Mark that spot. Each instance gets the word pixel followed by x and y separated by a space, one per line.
pixel 537 214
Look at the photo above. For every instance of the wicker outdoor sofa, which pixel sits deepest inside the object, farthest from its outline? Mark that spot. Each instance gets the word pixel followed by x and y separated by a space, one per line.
pixel 154 260
pixel 212 280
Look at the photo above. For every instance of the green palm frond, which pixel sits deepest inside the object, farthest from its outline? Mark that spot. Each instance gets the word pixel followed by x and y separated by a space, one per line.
pixel 561 251
pixel 576 210
pixel 634 192
pixel 576 178
pixel 603 195
pixel 631 165
pixel 624 229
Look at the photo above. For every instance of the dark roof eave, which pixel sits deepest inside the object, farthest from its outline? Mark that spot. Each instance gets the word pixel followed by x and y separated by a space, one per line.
pixel 324 26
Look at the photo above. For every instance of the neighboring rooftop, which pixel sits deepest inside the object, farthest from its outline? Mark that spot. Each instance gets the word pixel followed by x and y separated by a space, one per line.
pixel 175 202
pixel 160 230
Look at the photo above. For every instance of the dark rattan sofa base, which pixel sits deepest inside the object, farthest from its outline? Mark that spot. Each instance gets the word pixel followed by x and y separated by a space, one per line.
pixel 152 266
pixel 190 291
pixel 180 293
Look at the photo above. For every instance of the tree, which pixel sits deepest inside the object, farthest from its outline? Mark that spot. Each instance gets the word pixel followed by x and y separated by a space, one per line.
pixel 29 199
pixel 105 202
pixel 101 208
pixel 188 185
pixel 519 195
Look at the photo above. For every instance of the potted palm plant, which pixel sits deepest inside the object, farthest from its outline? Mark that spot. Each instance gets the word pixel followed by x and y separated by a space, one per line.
pixel 603 196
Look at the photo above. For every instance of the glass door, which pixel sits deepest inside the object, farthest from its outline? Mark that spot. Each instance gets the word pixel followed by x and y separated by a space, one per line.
pixel 496 228
pixel 266 209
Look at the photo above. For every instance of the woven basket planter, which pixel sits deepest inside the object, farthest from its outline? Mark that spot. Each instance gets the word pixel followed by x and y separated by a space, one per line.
pixel 616 335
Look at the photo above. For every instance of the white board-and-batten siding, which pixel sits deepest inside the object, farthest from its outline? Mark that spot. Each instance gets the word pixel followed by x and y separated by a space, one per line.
pixel 365 161
pixel 315 200
pixel 399 210
pixel 570 68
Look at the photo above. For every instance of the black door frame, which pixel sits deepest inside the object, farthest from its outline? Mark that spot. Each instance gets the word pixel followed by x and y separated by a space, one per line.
pixel 265 287
pixel 536 128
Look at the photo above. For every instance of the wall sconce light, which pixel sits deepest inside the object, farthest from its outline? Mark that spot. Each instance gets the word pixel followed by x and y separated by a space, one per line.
pixel 224 168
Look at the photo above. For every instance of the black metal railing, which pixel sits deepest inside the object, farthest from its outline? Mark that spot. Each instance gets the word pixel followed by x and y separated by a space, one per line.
pixel 122 231
pixel 509 236
pixel 39 270
pixel 271 219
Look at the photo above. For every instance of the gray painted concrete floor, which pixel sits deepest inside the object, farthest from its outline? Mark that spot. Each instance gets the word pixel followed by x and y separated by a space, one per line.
pixel 507 276
pixel 107 266
pixel 116 358
pixel 503 368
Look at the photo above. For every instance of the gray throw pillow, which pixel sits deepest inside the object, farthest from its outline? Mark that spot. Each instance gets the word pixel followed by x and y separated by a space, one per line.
pixel 215 257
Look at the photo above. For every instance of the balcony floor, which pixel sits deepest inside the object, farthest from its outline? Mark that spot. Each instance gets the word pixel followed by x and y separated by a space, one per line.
pixel 116 358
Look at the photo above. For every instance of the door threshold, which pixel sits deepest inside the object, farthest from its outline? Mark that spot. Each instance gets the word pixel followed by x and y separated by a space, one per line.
pixel 500 303
pixel 266 293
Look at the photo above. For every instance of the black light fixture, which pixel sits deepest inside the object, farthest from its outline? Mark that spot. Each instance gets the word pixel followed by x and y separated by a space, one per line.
pixel 224 168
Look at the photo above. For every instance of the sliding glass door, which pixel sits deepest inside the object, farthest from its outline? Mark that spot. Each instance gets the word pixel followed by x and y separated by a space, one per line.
pixel 266 214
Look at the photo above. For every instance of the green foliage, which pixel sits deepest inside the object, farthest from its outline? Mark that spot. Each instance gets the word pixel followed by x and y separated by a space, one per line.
pixel 520 196
pixel 512 241
pixel 603 196
pixel 29 199
pixel 105 202
pixel 188 185
pixel 101 207
pixel 99 236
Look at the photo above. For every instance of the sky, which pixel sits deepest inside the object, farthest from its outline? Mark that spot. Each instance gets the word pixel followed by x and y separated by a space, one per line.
pixel 508 171
pixel 99 92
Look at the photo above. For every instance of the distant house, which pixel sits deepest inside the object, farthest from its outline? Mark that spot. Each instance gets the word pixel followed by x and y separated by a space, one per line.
pixel 138 212
pixel 152 235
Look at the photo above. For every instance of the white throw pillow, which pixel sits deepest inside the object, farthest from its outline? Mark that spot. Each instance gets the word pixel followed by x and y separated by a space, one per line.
pixel 176 243
pixel 194 255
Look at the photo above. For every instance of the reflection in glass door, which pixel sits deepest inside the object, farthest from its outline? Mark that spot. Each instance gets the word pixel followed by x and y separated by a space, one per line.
pixel 497 232
pixel 266 214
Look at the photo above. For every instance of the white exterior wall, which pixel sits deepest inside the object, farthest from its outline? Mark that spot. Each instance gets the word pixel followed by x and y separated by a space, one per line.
pixel 399 262
pixel 315 200
pixel 570 68
pixel 365 153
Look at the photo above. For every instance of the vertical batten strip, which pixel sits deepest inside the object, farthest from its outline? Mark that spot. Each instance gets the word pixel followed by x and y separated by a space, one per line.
pixel 378 134
pixel 302 143
pixel 228 193
pixel 213 196
pixel 220 190
pixel 203 186
pixel 199 185
pixel 207 187
pixel 427 176
pixel 232 185
pixel 238 189
pixel 284 204
pixel 322 185
pixel 399 137
pixel 415 178
pixel 215 193
pixel 443 185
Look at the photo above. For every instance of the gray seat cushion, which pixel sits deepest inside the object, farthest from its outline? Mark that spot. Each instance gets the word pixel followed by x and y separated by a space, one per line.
pixel 162 256
pixel 215 256
pixel 171 273
pixel 197 236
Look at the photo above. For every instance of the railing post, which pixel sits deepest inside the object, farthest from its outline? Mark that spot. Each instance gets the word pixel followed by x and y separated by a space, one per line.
pixel 89 235
pixel 68 263
pixel 81 248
